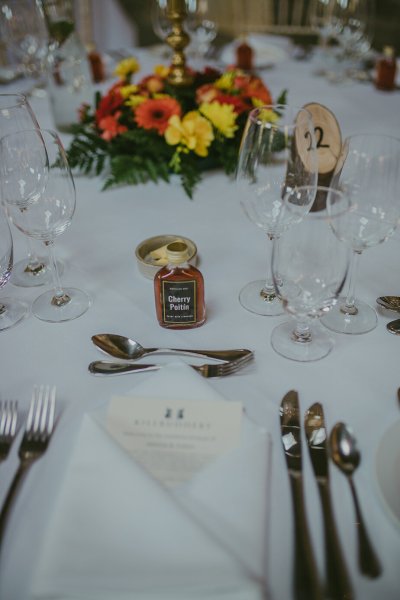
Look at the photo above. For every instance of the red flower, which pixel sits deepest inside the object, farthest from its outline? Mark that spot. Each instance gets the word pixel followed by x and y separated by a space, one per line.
pixel 206 93
pixel 237 102
pixel 155 113
pixel 111 127
pixel 109 103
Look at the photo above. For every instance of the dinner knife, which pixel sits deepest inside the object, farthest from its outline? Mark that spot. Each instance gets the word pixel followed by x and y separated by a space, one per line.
pixel 338 581
pixel 306 584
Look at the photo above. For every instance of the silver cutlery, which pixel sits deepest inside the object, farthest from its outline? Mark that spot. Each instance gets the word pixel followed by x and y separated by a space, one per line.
pixel 338 581
pixel 306 584
pixel 346 457
pixel 37 434
pixel 103 367
pixel 8 426
pixel 123 347
pixel 389 302
pixel 394 326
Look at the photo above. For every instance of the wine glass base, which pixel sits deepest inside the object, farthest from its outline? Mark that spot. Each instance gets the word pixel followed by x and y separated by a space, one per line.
pixel 283 342
pixel 13 311
pixel 22 276
pixel 252 300
pixel 364 321
pixel 44 309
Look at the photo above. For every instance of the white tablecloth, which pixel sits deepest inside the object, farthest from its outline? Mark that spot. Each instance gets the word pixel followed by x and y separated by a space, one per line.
pixel 357 383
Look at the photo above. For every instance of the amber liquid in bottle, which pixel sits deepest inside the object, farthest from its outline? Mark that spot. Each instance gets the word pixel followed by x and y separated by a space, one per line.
pixel 179 291
pixel 386 70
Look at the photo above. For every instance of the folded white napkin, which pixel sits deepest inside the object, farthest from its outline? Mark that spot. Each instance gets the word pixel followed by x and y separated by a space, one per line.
pixel 116 533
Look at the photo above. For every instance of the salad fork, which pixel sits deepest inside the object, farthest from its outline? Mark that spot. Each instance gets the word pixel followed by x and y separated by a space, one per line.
pixel 8 426
pixel 38 430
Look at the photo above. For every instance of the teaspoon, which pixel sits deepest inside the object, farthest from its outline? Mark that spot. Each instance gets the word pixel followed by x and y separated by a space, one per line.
pixel 123 347
pixel 346 457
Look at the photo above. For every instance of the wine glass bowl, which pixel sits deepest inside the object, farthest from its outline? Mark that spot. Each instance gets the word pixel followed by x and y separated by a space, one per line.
pixel 277 154
pixel 39 195
pixel 16 114
pixel 368 172
pixel 309 268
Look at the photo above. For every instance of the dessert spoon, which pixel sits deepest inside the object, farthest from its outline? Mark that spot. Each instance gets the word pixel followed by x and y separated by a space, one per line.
pixel 346 457
pixel 123 347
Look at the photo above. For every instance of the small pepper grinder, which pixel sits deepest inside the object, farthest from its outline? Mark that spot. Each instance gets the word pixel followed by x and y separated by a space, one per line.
pixel 385 75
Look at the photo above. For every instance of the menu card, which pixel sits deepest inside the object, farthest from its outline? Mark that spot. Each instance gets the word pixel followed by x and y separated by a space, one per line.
pixel 174 439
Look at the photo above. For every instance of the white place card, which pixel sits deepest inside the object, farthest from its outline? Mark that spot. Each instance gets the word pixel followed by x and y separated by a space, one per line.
pixel 174 439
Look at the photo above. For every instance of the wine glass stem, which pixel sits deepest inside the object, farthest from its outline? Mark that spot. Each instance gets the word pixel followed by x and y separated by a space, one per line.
pixel 349 307
pixel 60 297
pixel 301 332
pixel 34 264
pixel 268 290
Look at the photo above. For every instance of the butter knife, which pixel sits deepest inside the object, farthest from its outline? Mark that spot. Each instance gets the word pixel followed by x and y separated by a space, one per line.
pixel 306 585
pixel 338 581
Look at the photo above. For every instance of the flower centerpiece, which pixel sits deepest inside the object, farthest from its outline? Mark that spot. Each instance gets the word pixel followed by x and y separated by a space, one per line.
pixel 150 129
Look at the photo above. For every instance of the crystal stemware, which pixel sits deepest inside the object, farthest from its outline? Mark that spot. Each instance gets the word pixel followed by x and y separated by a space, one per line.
pixel 16 114
pixel 24 30
pixel 309 268
pixel 39 195
pixel 12 311
pixel 368 170
pixel 277 154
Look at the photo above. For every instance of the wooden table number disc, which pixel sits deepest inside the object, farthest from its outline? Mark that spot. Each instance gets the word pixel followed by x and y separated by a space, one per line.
pixel 329 145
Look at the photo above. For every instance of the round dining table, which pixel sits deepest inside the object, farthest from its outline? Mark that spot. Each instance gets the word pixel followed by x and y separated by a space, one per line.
pixel 357 383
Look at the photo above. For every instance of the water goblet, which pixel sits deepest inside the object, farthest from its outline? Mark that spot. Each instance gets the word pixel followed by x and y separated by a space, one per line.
pixel 368 170
pixel 12 311
pixel 309 268
pixel 16 114
pixel 39 196
pixel 277 154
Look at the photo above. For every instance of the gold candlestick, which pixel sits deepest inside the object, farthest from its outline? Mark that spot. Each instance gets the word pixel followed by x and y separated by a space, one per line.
pixel 178 39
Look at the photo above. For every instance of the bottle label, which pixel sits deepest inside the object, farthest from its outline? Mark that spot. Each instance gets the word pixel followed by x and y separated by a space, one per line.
pixel 179 301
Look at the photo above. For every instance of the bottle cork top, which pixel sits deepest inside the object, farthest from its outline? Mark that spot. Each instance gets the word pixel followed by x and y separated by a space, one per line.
pixel 177 252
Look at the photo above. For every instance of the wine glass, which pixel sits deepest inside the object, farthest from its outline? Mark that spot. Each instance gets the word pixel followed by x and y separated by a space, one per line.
pixel 321 19
pixel 200 27
pixel 12 311
pixel 368 170
pixel 39 196
pixel 309 268
pixel 16 114
pixel 352 23
pixel 24 31
pixel 277 154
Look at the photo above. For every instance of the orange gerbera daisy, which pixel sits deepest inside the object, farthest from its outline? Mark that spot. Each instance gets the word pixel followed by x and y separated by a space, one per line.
pixel 155 113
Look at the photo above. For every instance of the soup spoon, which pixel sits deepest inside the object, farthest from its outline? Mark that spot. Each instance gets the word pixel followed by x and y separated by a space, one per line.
pixel 346 457
pixel 123 347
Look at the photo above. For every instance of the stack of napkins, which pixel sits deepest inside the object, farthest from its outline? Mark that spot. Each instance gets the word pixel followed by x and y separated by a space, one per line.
pixel 116 532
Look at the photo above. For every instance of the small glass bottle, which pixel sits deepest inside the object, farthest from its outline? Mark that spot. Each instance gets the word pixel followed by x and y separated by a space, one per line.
pixel 179 291
pixel 386 70
pixel 244 56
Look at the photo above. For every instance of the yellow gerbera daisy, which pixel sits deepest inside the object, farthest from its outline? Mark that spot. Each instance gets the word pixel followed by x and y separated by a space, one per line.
pixel 193 132
pixel 127 67
pixel 222 116
pixel 161 71
pixel 267 115
pixel 225 82
pixel 128 90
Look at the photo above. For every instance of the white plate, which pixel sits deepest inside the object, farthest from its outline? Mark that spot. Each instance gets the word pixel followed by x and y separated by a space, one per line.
pixel 267 53
pixel 388 470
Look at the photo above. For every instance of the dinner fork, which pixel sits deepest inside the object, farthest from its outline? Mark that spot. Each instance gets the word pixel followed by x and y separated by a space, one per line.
pixel 103 367
pixel 8 426
pixel 38 430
